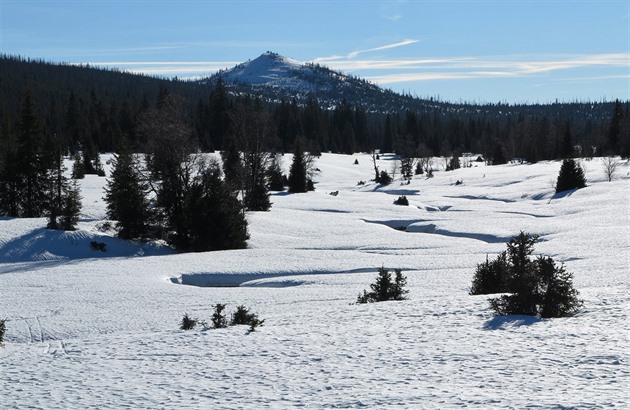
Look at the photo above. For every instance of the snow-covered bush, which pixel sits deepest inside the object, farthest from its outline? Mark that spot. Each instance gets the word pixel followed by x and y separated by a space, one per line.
pixel 188 323
pixel 218 318
pixel 243 316
pixel 402 200
pixel 384 178
pixel 384 288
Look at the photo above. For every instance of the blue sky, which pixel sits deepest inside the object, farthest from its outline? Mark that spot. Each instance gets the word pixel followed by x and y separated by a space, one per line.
pixel 473 51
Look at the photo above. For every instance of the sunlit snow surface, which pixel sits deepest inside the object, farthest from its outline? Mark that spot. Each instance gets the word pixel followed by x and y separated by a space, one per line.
pixel 87 329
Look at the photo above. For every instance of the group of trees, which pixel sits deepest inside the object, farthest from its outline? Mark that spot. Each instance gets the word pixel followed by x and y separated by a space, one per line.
pixel 535 287
pixel 32 174
pixel 170 191
pixel 174 192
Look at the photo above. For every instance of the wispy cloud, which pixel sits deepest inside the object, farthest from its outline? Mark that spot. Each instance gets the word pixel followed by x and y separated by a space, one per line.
pixel 407 70
pixel 392 71
pixel 168 68
pixel 354 54
pixel 394 45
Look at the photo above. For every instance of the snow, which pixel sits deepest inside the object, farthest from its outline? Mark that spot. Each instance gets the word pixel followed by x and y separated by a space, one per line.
pixel 91 329
pixel 274 70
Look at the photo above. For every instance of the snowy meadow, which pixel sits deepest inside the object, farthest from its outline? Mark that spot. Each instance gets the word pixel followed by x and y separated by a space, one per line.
pixel 93 329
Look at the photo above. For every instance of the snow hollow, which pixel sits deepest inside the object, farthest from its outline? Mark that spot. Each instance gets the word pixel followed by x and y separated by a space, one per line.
pixel 92 329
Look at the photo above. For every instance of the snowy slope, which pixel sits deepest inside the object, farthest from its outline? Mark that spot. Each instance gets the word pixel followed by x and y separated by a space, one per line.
pixel 269 68
pixel 88 329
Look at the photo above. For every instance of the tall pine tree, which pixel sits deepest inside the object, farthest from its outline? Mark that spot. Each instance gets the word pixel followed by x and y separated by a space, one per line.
pixel 31 164
pixel 297 172
pixel 126 196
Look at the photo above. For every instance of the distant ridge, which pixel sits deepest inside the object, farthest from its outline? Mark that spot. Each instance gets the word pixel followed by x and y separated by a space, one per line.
pixel 275 77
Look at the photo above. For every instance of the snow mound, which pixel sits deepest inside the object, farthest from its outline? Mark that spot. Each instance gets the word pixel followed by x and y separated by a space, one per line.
pixel 39 244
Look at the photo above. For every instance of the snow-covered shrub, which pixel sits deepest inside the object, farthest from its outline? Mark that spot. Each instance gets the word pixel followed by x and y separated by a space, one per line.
pixel 218 318
pixel 254 323
pixel 384 288
pixel 188 323
pixel 402 200
pixel 384 178
pixel 536 287
pixel 243 316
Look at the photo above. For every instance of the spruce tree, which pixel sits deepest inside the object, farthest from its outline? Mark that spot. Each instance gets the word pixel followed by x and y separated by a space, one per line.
pixel 9 177
pixel 126 196
pixel 216 216
pixel 535 287
pixel 571 176
pixel 256 196
pixel 30 162
pixel 78 166
pixel 58 189
pixel 71 206
pixel 297 172
pixel 275 177
pixel 232 165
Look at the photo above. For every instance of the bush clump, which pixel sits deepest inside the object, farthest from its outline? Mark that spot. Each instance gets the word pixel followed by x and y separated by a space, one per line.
pixel 188 323
pixel 402 200
pixel 535 287
pixel 385 288
pixel 242 316
pixel 384 178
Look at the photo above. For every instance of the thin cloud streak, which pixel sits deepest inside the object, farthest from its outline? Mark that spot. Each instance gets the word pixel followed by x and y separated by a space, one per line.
pixel 407 70
pixel 386 47
pixel 471 67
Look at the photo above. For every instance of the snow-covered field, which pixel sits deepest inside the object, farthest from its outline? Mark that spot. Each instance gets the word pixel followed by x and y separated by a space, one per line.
pixel 87 329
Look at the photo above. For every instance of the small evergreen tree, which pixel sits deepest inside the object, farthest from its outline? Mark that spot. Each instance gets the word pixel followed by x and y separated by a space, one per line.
pixel 384 288
pixel 256 196
pixel 78 167
pixel 490 276
pixel 454 163
pixel 218 317
pixel 571 176
pixel 275 177
pixel 188 323
pixel 243 316
pixel 98 165
pixel 384 178
pixel 71 206
pixel 402 200
pixel 297 172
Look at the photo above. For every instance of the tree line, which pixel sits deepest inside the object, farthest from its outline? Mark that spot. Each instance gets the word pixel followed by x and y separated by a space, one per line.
pixel 90 110
pixel 159 129
pixel 161 187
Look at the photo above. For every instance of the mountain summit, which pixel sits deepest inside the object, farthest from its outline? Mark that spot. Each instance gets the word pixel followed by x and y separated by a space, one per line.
pixel 268 69
pixel 275 77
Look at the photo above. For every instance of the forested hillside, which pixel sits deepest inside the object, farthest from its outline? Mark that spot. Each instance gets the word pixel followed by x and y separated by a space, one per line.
pixel 85 108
